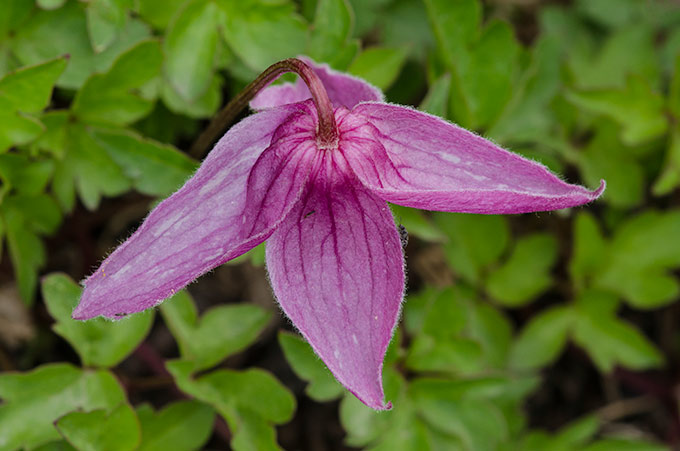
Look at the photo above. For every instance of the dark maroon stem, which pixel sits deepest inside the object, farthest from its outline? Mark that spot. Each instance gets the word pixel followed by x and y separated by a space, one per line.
pixel 327 133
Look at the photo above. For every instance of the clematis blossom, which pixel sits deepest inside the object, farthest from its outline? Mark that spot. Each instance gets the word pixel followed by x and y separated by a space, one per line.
pixel 312 172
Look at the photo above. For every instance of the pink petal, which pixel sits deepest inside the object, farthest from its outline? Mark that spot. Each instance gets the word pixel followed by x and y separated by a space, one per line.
pixel 343 89
pixel 418 160
pixel 336 267
pixel 200 226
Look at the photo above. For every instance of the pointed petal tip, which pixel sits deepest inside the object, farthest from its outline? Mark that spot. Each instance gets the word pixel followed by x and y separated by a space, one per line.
pixel 600 190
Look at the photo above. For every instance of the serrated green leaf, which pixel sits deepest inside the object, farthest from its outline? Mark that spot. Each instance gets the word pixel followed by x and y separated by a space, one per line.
pixel 610 341
pixel 669 179
pixel 589 252
pixel 183 425
pixel 26 176
pixel 451 355
pixel 86 168
pixel 99 342
pixel 322 385
pixel 542 339
pixel 526 273
pixel 250 401
pixel 52 34
pixel 203 106
pixel 159 13
pixel 637 108
pixel 478 424
pixel 24 218
pixel 189 47
pixel 29 89
pixel 220 332
pixel 50 4
pixel 527 113
pixel 333 23
pixel 99 430
pixel 155 169
pixel 379 66
pixel 576 434
pixel 614 444
pixel 33 401
pixel 262 33
pixel 110 98
pixel 437 99
pixel 628 51
pixel 416 223
pixel 492 330
pixel 641 253
pixel 605 158
pixel 475 241
pixel 105 20
pixel 485 77
pixel 455 26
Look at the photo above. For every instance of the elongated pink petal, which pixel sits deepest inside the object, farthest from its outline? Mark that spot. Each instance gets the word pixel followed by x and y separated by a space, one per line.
pixel 418 160
pixel 336 267
pixel 343 89
pixel 200 226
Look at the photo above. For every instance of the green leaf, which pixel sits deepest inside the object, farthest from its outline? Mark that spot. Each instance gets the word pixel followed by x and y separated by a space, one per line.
pixel 637 108
pixel 492 330
pixel 576 434
pixel 669 179
pixel 527 113
pixel 610 341
pixel 105 20
pixel 333 23
pixel 155 169
pixel 475 241
pixel 203 106
pixel 220 332
pixel 542 339
pixel 29 89
pixel 450 355
pixel 23 174
pixel 437 99
pixel 183 425
pixel 111 97
pixel 50 4
pixel 479 424
pixel 251 402
pixel 189 47
pixel 33 401
pixel 485 77
pixel 416 223
pixel 614 444
pixel 641 253
pixel 98 342
pixel 379 66
pixel 262 33
pixel 322 385
pixel 589 252
pixel 87 168
pixel 99 430
pixel 52 34
pixel 25 217
pixel 159 13
pixel 605 158
pixel 455 26
pixel 526 273
pixel 12 15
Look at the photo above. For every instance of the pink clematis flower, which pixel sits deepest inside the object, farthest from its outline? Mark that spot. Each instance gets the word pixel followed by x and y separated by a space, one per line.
pixel 313 178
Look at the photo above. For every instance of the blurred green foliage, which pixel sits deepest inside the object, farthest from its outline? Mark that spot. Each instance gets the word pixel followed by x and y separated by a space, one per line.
pixel 97 96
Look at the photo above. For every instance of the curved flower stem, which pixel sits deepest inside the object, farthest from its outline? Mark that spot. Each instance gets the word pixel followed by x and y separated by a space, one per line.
pixel 327 133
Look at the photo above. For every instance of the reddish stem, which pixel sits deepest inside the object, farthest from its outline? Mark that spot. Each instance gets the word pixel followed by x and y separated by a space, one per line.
pixel 327 132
